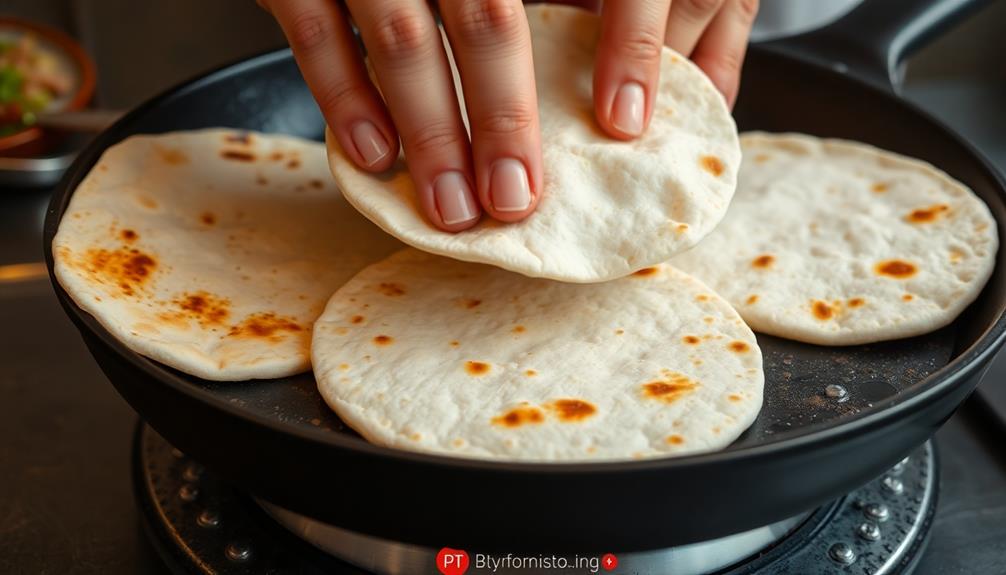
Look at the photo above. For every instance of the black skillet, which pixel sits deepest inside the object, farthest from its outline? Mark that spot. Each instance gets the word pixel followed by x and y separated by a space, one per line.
pixel 277 440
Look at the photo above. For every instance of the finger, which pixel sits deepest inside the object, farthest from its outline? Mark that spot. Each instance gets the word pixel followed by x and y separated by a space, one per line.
pixel 628 65
pixel 330 61
pixel 491 42
pixel 686 22
pixel 721 50
pixel 407 52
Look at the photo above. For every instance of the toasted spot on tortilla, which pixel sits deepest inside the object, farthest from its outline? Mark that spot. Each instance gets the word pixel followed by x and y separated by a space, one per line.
pixel 691 340
pixel 856 302
pixel 572 409
pixel 738 346
pixel 476 367
pixel 671 389
pixel 519 329
pixel 712 164
pixel 646 272
pixel 237 155
pixel 203 307
pixel 208 218
pixel 675 439
pixel 709 319
pixel 129 236
pixel 383 340
pixel 734 397
pixel 471 303
pixel 956 255
pixel 752 299
pixel 619 331
pixel 356 319
pixel 822 310
pixel 455 343
pixel 128 269
pixel 907 297
pixel 343 366
pixel 926 215
pixel 265 325
pixel 293 164
pixel 276 156
pixel 391 289
pixel 520 416
pixel 682 228
pixel 530 373
pixel 702 297
pixel 243 138
pixel 261 180
pixel 316 184
pixel 879 187
pixel 761 158
pixel 172 156
pixel 763 261
pixel 897 269
pixel 458 442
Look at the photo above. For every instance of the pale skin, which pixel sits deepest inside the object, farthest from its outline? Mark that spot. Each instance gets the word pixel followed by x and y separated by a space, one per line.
pixel 498 172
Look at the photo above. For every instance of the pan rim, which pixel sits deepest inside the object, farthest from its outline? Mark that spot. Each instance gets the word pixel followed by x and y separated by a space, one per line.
pixel 923 392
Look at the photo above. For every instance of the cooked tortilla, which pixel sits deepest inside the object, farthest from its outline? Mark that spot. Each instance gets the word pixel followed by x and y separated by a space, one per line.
pixel 838 243
pixel 212 251
pixel 608 207
pixel 426 353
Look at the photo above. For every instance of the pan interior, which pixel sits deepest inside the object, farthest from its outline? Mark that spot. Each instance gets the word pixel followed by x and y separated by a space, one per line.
pixel 801 380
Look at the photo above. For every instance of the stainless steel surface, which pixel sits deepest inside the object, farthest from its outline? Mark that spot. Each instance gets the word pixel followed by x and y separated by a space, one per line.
pixel 34 172
pixel 88 121
pixel 383 557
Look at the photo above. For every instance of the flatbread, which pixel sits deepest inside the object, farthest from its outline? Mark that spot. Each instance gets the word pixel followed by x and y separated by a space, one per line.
pixel 213 251
pixel 838 243
pixel 608 208
pixel 431 354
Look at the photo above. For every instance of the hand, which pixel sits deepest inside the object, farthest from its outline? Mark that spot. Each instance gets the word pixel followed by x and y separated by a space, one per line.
pixel 501 171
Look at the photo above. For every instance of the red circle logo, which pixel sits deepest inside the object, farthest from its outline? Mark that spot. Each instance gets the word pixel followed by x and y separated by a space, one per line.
pixel 609 561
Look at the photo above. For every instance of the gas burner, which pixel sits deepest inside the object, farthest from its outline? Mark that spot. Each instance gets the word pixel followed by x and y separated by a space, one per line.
pixel 199 524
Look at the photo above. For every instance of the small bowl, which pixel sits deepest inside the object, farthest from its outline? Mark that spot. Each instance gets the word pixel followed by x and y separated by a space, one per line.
pixel 31 140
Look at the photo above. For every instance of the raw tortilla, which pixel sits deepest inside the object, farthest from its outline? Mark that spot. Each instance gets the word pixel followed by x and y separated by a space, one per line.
pixel 427 353
pixel 608 207
pixel 213 251
pixel 838 243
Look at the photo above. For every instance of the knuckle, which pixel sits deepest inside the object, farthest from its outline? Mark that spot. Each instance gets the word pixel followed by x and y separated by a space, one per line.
pixel 340 95
pixel 641 46
pixel 401 33
pixel 727 61
pixel 702 8
pixel 748 10
pixel 308 30
pixel 434 138
pixel 507 121
pixel 482 22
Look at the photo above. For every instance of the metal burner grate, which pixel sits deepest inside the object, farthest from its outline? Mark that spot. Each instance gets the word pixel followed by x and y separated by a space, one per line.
pixel 199 524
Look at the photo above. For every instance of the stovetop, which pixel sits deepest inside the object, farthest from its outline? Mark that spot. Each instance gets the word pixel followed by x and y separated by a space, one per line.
pixel 66 502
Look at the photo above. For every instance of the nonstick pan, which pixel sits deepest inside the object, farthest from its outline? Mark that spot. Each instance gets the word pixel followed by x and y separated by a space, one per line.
pixel 277 440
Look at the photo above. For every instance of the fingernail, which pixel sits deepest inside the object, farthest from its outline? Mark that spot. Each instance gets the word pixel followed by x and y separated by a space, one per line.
pixel 370 142
pixel 627 109
pixel 454 198
pixel 508 186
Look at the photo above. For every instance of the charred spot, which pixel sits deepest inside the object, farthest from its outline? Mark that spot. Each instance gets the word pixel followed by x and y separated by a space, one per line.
pixel 926 215
pixel 897 269
pixel 261 180
pixel 519 329
pixel 646 272
pixel 128 269
pixel 856 302
pixel 569 410
pixel 476 367
pixel 763 261
pixel 738 346
pixel 238 155
pixel 691 340
pixel 455 343
pixel 383 340
pixel 293 164
pixel 356 319
pixel 712 164
pixel 265 325
pixel 203 307
pixel 520 416
pixel 129 236
pixel 907 297
pixel 675 439
pixel 208 218
pixel 316 184
pixel 671 389
pixel 391 289
pixel 822 310
pixel 470 303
